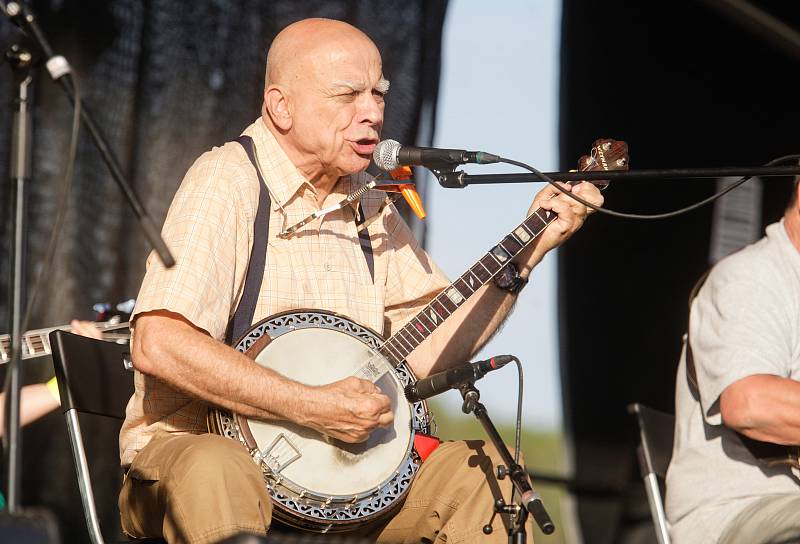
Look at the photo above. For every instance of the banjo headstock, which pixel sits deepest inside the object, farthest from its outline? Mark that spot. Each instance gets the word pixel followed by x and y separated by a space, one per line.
pixel 606 154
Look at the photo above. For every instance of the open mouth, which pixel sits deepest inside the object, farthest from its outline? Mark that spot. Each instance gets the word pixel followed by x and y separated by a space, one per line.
pixel 365 146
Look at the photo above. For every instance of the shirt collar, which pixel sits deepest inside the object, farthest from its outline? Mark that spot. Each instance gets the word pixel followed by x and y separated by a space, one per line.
pixel 282 176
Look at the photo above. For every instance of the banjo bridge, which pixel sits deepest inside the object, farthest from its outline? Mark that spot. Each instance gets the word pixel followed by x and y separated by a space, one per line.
pixel 278 455
pixel 373 370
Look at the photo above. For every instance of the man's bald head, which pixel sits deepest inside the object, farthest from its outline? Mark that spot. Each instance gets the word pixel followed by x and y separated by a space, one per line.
pixel 323 98
pixel 305 40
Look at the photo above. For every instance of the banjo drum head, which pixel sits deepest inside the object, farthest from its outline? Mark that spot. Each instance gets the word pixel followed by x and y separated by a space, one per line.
pixel 318 464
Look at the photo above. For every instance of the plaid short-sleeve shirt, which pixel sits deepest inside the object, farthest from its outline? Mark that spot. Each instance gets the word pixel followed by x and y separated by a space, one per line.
pixel 209 229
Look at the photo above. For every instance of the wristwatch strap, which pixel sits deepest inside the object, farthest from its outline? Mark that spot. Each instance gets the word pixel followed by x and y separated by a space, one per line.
pixel 510 280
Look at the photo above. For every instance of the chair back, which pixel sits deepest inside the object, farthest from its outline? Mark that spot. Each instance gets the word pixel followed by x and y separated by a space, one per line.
pixel 94 376
pixel 656 434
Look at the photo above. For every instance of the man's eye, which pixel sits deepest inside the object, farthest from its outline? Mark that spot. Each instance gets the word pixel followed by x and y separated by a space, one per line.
pixel 379 95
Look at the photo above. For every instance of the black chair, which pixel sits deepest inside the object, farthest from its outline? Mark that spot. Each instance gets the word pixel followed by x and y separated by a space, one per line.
pixel 94 377
pixel 656 434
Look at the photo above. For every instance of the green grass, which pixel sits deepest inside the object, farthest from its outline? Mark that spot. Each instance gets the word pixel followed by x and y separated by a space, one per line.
pixel 543 451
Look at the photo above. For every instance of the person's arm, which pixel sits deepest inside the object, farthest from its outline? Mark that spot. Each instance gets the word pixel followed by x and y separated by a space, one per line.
pixel 763 407
pixel 168 347
pixel 35 401
pixel 473 324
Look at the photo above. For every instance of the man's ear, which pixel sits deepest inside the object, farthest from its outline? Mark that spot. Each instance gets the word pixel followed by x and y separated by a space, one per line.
pixel 276 105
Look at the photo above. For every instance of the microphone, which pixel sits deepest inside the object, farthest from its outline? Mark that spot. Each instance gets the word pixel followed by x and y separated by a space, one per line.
pixel 389 155
pixel 454 377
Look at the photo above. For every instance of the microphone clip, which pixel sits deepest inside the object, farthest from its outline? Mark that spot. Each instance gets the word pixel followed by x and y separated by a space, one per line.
pixel 450 179
pixel 470 395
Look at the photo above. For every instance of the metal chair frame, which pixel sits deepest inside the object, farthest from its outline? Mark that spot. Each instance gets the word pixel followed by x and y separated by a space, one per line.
pixel 654 452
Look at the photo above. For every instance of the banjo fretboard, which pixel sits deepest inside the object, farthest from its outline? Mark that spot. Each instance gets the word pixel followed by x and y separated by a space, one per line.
pixel 405 340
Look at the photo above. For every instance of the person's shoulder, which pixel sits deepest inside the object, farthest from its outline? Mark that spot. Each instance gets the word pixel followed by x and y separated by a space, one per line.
pixel 228 160
pixel 760 263
pixel 224 168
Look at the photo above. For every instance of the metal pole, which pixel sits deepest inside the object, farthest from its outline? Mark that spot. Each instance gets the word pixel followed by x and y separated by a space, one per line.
pixel 462 179
pixel 20 61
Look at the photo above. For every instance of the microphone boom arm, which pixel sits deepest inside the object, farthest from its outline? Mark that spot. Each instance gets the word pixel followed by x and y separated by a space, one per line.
pixel 458 179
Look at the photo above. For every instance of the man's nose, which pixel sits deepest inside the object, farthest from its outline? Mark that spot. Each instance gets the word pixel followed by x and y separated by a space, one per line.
pixel 371 109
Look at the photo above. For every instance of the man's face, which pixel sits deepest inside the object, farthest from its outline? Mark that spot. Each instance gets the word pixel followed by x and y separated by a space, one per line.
pixel 337 107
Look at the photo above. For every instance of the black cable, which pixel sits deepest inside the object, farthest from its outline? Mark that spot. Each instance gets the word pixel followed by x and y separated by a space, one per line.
pixel 518 430
pixel 656 216
pixel 519 411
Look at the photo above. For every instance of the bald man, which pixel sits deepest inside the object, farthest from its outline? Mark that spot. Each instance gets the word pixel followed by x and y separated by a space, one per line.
pixel 320 122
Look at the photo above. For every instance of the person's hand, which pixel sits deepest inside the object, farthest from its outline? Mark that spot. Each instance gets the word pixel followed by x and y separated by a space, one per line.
pixel 348 410
pixel 571 213
pixel 86 328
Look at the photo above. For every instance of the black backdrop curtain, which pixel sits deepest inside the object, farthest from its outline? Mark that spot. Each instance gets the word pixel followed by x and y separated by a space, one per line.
pixel 685 87
pixel 165 80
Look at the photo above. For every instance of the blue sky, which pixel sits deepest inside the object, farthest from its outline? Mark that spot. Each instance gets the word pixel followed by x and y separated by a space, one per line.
pixel 499 93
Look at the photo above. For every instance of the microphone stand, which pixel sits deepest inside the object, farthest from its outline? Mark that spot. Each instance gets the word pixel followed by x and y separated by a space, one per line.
pixel 459 179
pixel 21 62
pixel 519 477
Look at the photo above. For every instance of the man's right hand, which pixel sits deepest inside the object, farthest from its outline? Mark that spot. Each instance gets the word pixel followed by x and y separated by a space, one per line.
pixel 348 410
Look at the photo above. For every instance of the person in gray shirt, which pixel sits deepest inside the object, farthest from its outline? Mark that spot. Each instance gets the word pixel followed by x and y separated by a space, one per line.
pixel 744 345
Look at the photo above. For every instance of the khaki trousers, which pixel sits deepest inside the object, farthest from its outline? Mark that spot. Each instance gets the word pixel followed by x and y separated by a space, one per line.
pixel 204 488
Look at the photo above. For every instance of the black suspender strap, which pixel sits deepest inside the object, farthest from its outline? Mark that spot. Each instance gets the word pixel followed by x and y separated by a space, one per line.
pixel 366 243
pixel 242 318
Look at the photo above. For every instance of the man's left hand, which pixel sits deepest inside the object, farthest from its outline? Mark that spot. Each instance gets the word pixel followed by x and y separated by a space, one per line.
pixel 571 213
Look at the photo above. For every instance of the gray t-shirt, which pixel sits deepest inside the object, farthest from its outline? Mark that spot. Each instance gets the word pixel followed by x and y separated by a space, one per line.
pixel 744 321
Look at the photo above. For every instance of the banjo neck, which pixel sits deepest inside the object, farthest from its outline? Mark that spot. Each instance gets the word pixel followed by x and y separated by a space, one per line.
pixel 397 348
pixel 605 155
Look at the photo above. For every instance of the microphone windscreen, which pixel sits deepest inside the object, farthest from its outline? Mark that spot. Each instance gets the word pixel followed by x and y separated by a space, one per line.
pixel 385 155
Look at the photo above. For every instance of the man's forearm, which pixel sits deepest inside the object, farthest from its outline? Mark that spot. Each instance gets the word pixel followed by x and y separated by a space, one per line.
pixel 472 325
pixel 464 333
pixel 189 360
pixel 763 407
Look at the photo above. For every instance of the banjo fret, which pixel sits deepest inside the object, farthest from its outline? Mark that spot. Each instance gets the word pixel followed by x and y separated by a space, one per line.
pixel 415 333
pixel 410 340
pixel 391 353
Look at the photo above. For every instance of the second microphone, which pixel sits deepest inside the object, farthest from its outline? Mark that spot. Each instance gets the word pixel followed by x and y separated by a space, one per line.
pixel 454 377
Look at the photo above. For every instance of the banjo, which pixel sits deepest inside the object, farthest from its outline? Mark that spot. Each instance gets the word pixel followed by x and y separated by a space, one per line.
pixel 321 484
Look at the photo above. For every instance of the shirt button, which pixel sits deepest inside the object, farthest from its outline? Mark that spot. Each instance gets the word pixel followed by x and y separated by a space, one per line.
pixel 328 267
